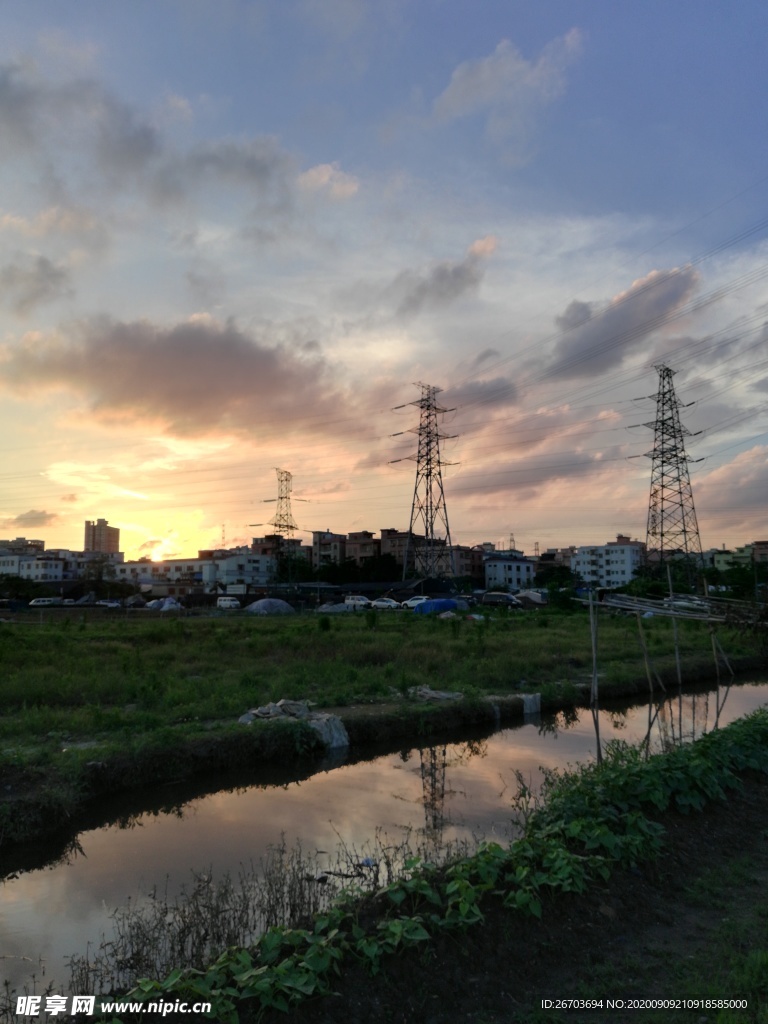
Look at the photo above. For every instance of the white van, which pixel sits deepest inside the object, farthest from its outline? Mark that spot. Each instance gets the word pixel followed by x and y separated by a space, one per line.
pixel 44 602
pixel 357 601
pixel 228 602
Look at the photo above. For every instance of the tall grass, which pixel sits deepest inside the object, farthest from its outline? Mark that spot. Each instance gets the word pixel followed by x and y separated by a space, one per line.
pixel 152 936
pixel 107 676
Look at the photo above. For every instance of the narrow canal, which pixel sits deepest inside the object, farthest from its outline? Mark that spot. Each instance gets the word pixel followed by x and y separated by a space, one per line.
pixel 461 790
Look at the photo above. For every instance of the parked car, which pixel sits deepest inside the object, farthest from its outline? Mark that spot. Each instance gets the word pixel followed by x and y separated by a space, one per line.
pixel 44 602
pixel 385 602
pixel 498 597
pixel 109 604
pixel 413 601
pixel 228 602
pixel 357 601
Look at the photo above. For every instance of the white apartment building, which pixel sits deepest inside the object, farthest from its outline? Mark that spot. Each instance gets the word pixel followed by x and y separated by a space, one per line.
pixel 42 569
pixel 239 567
pixel 9 564
pixel 510 569
pixel 609 565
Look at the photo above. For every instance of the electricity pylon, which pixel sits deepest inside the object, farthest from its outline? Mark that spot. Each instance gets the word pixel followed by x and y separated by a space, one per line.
pixel 284 523
pixel 672 526
pixel 433 763
pixel 435 556
pixel 283 520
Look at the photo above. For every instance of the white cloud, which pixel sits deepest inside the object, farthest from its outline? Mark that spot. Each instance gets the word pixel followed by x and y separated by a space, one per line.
pixel 509 91
pixel 328 178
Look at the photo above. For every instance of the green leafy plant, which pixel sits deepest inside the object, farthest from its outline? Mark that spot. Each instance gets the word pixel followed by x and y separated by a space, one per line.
pixel 591 820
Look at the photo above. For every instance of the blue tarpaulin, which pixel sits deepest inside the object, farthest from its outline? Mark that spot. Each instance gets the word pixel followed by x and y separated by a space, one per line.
pixel 438 604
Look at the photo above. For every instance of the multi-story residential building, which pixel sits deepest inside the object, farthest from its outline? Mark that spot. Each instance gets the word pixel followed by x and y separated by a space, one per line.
pixel 328 548
pixel 609 565
pixel 9 564
pixel 22 546
pixel 275 545
pixel 177 576
pixel 42 569
pixel 746 554
pixel 469 561
pixel 362 546
pixel 80 565
pixel 509 569
pixel 401 544
pixel 100 536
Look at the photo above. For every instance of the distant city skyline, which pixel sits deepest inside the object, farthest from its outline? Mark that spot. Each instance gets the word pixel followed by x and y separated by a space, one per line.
pixel 234 236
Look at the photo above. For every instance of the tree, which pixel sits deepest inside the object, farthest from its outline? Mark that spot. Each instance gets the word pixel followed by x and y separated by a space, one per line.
pixel 339 573
pixel 555 576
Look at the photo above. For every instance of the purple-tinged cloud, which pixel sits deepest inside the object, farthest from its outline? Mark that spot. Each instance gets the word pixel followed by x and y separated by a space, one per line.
pixel 195 378
pixel 415 291
pixel 32 519
pixel 509 91
pixel 595 338
pixel 33 281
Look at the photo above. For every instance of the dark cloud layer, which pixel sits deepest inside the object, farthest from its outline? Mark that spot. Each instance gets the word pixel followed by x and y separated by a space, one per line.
pixel 491 392
pixel 32 519
pixel 597 338
pixel 195 378
pixel 98 143
pixel 412 292
pixel 416 291
pixel 33 281
pixel 525 482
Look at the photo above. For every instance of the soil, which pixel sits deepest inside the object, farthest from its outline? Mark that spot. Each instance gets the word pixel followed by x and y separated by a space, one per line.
pixel 636 930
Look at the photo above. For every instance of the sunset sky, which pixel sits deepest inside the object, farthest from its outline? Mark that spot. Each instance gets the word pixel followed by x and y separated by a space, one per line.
pixel 234 234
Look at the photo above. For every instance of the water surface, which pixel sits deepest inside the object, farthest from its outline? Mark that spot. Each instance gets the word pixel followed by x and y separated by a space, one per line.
pixel 463 788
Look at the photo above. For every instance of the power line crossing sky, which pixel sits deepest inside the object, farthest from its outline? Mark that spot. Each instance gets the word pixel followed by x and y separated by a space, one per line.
pixel 233 234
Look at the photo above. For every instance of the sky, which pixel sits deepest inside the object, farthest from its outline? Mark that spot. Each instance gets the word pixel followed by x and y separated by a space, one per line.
pixel 238 236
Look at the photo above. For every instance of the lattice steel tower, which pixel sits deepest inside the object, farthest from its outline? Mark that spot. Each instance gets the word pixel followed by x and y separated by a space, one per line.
pixel 672 525
pixel 434 555
pixel 433 763
pixel 283 520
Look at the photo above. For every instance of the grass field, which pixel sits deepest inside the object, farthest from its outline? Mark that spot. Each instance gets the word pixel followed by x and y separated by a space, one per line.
pixel 88 675
pixel 80 688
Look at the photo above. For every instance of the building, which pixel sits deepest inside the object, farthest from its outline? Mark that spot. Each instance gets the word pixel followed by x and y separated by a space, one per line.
pixel 100 536
pixel 87 565
pixel 276 546
pixel 402 544
pixel 509 569
pixel 744 555
pixel 211 571
pixel 22 546
pixel 468 562
pixel 362 546
pixel 609 565
pixel 42 569
pixel 328 548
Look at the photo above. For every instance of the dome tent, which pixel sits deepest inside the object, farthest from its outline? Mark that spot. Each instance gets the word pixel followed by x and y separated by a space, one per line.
pixel 270 606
